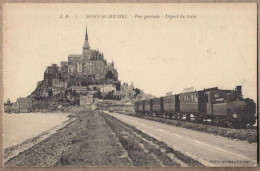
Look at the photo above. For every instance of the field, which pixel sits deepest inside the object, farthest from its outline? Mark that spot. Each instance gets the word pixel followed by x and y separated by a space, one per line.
pixel 96 139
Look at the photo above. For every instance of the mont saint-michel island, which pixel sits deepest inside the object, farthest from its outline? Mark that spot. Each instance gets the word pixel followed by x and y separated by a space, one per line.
pixel 85 79
pixel 81 114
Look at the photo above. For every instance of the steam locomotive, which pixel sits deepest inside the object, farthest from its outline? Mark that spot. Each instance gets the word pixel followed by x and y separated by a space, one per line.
pixel 222 107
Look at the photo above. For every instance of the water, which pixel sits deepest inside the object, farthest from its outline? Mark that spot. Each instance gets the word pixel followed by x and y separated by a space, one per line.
pixel 19 127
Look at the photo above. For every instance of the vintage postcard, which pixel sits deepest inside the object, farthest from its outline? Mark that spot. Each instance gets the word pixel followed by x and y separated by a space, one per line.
pixel 130 85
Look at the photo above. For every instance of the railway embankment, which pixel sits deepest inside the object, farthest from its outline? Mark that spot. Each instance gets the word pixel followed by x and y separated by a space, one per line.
pixel 96 139
pixel 88 141
pixel 144 150
pixel 249 135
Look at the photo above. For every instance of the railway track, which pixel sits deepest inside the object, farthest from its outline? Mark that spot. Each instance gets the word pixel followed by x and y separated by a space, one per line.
pixel 249 135
pixel 206 148
pixel 183 119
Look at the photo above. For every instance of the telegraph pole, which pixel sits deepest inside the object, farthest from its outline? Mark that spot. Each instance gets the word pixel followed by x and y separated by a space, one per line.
pixel 103 91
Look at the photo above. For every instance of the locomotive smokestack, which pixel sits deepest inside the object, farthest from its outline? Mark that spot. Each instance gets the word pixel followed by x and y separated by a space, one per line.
pixel 239 90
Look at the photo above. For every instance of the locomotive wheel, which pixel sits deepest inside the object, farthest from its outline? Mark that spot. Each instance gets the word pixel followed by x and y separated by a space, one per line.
pixel 198 119
pixel 235 125
pixel 229 124
pixel 243 125
pixel 223 122
pixel 213 121
pixel 188 117
pixel 217 121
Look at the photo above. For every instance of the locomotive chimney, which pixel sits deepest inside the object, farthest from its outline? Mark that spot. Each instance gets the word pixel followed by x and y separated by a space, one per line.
pixel 239 90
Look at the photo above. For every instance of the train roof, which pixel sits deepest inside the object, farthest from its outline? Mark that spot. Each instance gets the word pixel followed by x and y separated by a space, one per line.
pixel 194 92
pixel 202 91
pixel 172 95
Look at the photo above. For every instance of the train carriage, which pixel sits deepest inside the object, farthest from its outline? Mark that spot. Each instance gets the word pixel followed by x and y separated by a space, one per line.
pixel 148 106
pixel 136 104
pixel 157 104
pixel 192 103
pixel 223 107
pixel 141 106
pixel 171 105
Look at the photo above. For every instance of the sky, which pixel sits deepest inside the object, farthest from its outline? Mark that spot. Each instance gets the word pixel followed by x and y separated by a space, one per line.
pixel 214 47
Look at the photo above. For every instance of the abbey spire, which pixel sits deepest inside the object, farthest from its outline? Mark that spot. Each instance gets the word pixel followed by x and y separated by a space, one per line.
pixel 86 35
pixel 86 44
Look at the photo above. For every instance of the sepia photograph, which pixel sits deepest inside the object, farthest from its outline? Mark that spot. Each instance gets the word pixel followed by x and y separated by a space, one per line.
pixel 130 85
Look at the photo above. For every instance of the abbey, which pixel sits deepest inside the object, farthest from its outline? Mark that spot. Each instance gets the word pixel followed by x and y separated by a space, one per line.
pixel 83 80
pixel 78 73
pixel 90 63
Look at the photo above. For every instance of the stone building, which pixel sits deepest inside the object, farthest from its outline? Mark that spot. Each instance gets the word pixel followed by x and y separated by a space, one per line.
pixel 79 71
pixel 56 83
pixel 90 63
pixel 79 89
pixel 86 100
pixel 58 86
pixel 23 105
pixel 15 107
pixel 107 88
pixel 8 106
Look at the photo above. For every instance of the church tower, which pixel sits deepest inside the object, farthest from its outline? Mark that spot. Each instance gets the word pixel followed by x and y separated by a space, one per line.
pixel 86 47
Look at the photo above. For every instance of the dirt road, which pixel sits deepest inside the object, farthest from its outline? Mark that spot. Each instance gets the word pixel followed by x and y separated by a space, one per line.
pixel 88 141
pixel 208 149
pixel 96 139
